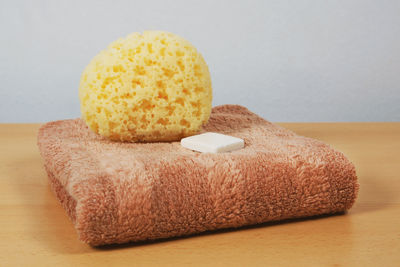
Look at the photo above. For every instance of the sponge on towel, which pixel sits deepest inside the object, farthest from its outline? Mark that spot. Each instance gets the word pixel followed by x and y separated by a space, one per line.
pixel 119 192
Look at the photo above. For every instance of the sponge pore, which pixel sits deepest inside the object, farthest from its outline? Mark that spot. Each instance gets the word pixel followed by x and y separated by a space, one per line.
pixel 153 86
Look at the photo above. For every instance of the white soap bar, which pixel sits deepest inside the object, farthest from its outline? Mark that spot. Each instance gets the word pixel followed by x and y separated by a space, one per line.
pixel 212 143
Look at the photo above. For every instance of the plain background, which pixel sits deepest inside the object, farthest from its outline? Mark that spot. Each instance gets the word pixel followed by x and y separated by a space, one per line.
pixel 286 60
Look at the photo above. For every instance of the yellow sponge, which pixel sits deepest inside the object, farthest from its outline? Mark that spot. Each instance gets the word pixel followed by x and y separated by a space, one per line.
pixel 153 86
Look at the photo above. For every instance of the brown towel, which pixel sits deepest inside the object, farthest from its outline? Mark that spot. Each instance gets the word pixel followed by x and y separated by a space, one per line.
pixel 119 192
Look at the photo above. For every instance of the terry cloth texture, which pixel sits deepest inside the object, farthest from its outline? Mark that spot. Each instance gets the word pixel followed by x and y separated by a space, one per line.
pixel 119 192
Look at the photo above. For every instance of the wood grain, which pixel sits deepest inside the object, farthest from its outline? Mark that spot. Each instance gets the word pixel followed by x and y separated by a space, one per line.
pixel 34 229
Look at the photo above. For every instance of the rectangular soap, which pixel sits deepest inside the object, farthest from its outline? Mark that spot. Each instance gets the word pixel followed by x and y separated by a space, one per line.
pixel 212 143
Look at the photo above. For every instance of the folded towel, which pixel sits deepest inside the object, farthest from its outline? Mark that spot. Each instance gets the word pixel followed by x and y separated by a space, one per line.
pixel 118 192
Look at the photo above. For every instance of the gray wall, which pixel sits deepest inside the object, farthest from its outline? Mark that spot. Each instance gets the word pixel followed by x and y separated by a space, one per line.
pixel 286 60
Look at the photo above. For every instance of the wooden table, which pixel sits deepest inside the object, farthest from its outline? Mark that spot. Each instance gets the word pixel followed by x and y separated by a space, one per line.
pixel 35 230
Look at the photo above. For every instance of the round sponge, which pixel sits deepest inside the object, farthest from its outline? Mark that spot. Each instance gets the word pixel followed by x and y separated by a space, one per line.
pixel 153 86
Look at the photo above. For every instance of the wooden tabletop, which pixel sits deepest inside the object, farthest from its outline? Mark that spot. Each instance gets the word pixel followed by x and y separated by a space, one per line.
pixel 35 230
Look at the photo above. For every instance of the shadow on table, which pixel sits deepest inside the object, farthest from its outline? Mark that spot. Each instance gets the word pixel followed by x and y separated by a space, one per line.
pixel 374 194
